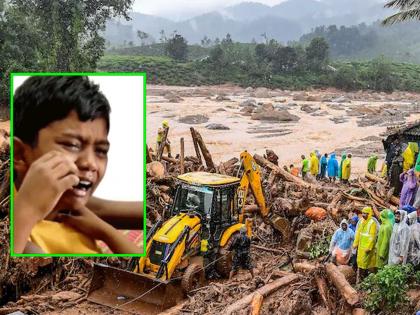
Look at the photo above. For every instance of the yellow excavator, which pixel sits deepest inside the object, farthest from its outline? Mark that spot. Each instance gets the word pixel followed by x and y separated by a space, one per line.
pixel 207 213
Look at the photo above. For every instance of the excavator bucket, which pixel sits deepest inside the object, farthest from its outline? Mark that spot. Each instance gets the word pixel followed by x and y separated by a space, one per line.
pixel 132 292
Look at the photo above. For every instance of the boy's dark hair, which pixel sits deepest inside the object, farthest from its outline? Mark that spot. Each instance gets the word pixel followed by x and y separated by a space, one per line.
pixel 41 100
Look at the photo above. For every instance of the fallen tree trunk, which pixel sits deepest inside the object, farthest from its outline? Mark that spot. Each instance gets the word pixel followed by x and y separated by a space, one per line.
pixel 256 303
pixel 375 178
pixel 323 291
pixel 196 148
pixel 204 150
pixel 278 170
pixel 264 291
pixel 272 250
pixel 340 282
pixel 304 267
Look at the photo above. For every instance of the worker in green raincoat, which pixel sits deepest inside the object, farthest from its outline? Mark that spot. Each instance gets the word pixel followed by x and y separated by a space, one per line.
pixel 364 241
pixel 305 166
pixel 384 236
pixel 371 167
pixel 340 169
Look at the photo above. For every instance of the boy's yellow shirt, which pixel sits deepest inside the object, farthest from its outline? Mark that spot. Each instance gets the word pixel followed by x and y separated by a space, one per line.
pixel 59 238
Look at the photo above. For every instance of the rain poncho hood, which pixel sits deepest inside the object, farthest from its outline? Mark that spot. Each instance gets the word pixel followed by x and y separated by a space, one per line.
pixel 384 236
pixel 314 168
pixel 342 239
pixel 354 218
pixel 365 238
pixel 346 169
pixel 399 240
pixel 409 188
pixel 340 170
pixel 371 167
pixel 409 155
pixel 413 255
pixel 332 166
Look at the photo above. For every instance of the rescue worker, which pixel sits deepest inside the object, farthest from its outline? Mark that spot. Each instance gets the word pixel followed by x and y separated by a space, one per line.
pixel 409 155
pixel 346 170
pixel 159 138
pixel 340 169
pixel 241 246
pixel 353 222
pixel 384 236
pixel 371 167
pixel 332 167
pixel 341 242
pixel 413 256
pixel 324 165
pixel 400 238
pixel 305 166
pixel 364 241
pixel 409 188
pixel 394 174
pixel 314 166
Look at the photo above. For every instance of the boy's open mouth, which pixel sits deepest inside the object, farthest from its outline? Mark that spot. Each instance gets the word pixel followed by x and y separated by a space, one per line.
pixel 82 188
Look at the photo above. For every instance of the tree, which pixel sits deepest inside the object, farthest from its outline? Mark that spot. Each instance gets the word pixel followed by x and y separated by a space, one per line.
pixel 206 42
pixel 317 54
pixel 70 29
pixel 285 59
pixel 409 10
pixel 143 36
pixel 177 47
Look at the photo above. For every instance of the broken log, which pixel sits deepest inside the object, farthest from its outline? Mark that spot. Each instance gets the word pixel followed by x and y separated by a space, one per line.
pixel 170 160
pixel 148 154
pixel 341 283
pixel 204 150
pixel 278 170
pixel 181 158
pixel 323 291
pixel 272 250
pixel 304 267
pixel 264 291
pixel 196 148
pixel 256 303
pixel 375 178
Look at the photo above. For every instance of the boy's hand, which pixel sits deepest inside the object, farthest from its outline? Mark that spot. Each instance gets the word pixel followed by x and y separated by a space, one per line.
pixel 45 182
pixel 85 221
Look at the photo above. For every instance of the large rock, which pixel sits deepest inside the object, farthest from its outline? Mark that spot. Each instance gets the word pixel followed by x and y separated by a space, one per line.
pixel 272 115
pixel 262 93
pixel 249 102
pixel 217 127
pixel 194 119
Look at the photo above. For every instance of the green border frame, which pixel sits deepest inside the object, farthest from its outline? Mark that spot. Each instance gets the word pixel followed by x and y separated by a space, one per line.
pixel 15 74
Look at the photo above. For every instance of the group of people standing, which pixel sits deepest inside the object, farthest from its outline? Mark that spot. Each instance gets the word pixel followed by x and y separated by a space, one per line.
pixel 326 166
pixel 370 244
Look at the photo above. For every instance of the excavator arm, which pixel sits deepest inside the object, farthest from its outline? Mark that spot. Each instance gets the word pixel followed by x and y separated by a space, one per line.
pixel 251 178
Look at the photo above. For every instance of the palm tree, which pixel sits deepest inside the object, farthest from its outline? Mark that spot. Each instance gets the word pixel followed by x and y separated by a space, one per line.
pixel 409 10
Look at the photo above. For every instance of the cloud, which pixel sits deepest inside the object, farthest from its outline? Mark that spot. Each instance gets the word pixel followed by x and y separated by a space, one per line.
pixel 178 9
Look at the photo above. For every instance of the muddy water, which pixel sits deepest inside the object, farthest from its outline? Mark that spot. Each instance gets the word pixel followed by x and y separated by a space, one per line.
pixel 309 133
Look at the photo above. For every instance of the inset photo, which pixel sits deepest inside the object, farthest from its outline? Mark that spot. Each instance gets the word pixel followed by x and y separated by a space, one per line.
pixel 77 164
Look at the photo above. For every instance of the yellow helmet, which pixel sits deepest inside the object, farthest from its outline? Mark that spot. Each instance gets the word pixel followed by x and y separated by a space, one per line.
pixel 165 124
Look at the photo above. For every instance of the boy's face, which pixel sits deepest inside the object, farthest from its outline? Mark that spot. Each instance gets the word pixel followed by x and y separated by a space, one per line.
pixel 84 143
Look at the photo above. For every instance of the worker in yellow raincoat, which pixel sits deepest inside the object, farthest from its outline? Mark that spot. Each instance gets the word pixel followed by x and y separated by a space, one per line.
pixel 364 241
pixel 409 155
pixel 314 168
pixel 346 171
pixel 159 138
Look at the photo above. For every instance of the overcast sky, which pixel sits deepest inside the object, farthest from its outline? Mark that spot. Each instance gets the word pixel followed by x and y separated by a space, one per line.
pixel 176 9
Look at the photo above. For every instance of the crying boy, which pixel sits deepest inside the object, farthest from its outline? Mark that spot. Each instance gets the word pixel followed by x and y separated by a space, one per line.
pixel 61 126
